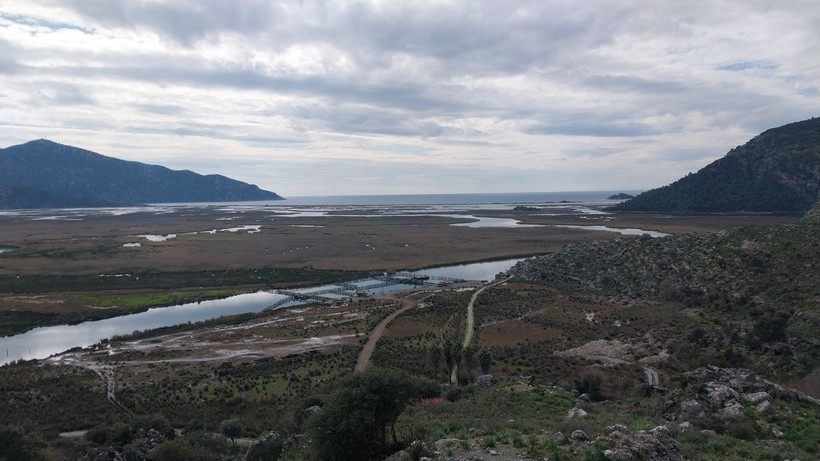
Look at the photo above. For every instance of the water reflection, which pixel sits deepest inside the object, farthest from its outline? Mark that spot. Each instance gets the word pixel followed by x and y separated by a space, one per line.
pixel 650 233
pixel 43 342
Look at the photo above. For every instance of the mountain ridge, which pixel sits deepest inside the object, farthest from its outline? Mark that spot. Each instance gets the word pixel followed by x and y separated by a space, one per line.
pixel 46 174
pixel 776 171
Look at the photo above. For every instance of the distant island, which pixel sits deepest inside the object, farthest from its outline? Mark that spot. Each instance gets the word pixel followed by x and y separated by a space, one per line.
pixel 621 196
pixel 45 174
pixel 777 171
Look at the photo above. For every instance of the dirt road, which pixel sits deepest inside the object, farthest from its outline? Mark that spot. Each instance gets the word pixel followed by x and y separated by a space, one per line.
pixel 468 329
pixel 367 352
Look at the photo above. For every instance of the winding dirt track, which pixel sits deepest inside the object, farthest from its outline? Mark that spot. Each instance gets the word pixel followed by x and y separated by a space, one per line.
pixel 468 329
pixel 367 351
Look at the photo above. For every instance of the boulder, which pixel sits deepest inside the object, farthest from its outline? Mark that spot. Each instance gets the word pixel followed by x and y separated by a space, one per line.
pixel 576 412
pixel 268 447
pixel 308 413
pixel 559 438
pixel 764 406
pixel 580 435
pixel 758 397
pixel 691 409
pixel 483 382
pixel 654 445
pixel 442 444
pixel 733 409
pixel 718 394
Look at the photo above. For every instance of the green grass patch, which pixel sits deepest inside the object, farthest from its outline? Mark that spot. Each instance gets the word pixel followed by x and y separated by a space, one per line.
pixel 136 301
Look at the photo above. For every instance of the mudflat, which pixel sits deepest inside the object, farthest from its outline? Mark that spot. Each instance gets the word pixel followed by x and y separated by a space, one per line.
pixel 213 238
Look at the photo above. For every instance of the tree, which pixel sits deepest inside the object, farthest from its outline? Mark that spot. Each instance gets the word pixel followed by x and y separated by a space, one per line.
pixel 434 353
pixel 485 358
pixel 449 358
pixel 469 354
pixel 16 445
pixel 358 421
pixel 231 429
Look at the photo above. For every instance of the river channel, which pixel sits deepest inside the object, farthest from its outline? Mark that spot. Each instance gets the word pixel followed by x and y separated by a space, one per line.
pixel 46 341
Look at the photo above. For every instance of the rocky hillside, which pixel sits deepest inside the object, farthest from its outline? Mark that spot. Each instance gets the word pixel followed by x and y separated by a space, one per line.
pixel 44 174
pixel 765 281
pixel 777 171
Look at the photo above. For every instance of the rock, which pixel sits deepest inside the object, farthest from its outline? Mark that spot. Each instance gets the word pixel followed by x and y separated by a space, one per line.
pixel 580 435
pixel 559 438
pixel 442 444
pixel 733 409
pixel 654 445
pixel 758 397
pixel 708 432
pixel 692 409
pixel 686 425
pixel 267 447
pixel 399 456
pixel 418 449
pixel 764 406
pixel 584 397
pixel 618 427
pixel 492 452
pixel 576 412
pixel 777 433
pixel 661 431
pixel 308 413
pixel 718 394
pixel 483 382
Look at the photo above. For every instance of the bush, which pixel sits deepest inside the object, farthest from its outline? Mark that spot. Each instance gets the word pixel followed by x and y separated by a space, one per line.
pixel 591 386
pixel 98 435
pixel 17 446
pixel 121 433
pixel 358 420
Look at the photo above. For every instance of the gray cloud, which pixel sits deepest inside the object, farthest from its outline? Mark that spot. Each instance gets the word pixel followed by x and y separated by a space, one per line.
pixel 468 88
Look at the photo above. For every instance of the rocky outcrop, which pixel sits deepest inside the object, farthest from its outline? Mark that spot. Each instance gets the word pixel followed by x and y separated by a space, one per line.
pixel 722 392
pixel 655 445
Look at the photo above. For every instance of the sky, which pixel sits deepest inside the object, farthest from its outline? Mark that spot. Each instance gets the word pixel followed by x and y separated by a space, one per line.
pixel 408 97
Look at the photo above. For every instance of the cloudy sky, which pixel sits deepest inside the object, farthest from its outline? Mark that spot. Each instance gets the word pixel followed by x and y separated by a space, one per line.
pixel 372 97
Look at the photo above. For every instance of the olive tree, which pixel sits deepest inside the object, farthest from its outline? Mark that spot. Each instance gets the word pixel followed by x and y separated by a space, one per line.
pixel 358 420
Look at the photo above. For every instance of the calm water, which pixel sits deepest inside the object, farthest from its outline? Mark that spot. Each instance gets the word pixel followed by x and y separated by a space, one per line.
pixel 451 199
pixel 43 342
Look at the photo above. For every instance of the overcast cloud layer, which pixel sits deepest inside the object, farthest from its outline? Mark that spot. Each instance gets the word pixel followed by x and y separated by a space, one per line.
pixel 377 97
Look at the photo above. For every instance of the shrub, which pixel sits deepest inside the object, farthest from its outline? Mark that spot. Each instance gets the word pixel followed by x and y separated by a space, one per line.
pixel 358 420
pixel 590 385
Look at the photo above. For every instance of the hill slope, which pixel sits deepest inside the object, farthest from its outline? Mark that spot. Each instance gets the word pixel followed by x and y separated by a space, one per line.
pixel 763 280
pixel 777 171
pixel 44 174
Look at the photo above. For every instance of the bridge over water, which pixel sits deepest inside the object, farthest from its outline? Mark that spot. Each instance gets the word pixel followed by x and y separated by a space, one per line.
pixel 336 291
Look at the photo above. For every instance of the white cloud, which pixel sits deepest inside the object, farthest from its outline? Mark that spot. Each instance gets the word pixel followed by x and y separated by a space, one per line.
pixel 349 97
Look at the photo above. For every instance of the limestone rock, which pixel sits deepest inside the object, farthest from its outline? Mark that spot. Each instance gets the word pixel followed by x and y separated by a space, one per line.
pixel 654 445
pixel 692 409
pixel 718 394
pixel 758 397
pixel 483 382
pixel 733 409
pixel 576 412
pixel 764 406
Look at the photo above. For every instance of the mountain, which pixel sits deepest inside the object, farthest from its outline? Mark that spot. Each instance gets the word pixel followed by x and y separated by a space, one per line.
pixel 621 196
pixel 777 171
pixel 45 174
